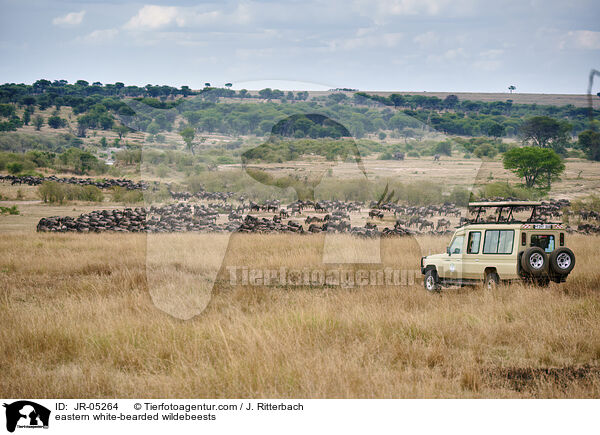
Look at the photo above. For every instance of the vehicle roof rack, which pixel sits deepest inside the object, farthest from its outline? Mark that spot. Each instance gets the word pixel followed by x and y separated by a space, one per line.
pixel 504 204
pixel 501 205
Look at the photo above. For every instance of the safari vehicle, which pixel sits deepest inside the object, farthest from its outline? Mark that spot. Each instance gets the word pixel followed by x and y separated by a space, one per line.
pixel 501 248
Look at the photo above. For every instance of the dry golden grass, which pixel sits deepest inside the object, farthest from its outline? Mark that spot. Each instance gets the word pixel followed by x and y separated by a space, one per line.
pixel 78 321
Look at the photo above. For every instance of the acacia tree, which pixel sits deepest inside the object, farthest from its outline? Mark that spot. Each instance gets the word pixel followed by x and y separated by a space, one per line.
pixel 589 140
pixel 496 130
pixel 535 165
pixel 121 130
pixel 545 132
pixel 38 121
pixel 188 134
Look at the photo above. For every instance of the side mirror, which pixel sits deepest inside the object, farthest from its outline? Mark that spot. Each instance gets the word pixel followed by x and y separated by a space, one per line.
pixel 448 250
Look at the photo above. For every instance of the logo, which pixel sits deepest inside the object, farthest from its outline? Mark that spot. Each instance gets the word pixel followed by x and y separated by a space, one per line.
pixel 26 414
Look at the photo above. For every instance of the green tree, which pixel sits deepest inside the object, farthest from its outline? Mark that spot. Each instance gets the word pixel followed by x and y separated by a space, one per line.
pixel 14 167
pixel 535 165
pixel 444 147
pixel 38 121
pixel 153 128
pixel 545 132
pixel 188 134
pixel 83 123
pixel 121 130
pixel 496 130
pixel 589 141
pixel 56 122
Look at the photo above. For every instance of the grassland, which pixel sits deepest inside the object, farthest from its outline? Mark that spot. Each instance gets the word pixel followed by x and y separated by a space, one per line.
pixel 78 321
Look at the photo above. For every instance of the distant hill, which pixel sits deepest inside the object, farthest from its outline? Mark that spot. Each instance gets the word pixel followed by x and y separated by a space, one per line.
pixel 577 100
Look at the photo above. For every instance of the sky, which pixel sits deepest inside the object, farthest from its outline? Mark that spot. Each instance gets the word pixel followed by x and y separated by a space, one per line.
pixel 387 45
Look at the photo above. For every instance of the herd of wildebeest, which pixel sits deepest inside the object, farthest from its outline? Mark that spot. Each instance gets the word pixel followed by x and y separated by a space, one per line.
pixel 226 212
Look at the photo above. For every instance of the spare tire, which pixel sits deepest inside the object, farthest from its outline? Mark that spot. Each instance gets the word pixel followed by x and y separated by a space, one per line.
pixel 534 261
pixel 562 261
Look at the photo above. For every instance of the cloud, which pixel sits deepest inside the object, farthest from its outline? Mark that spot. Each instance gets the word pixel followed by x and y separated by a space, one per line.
pixel 426 40
pixel 71 19
pixel 487 65
pixel 581 39
pixel 382 10
pixel 449 55
pixel 151 17
pixel 366 39
pixel 492 53
pixel 98 36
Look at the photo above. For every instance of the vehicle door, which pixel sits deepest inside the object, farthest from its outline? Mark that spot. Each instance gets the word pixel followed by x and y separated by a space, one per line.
pixel 453 261
pixel 471 263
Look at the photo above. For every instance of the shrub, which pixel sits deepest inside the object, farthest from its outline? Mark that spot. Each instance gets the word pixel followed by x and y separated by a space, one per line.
pixel 120 194
pixel 460 196
pixel 444 147
pixel 9 210
pixel 485 150
pixel 56 122
pixel 162 170
pixel 57 193
pixel 52 192
pixel 14 167
pixel 505 190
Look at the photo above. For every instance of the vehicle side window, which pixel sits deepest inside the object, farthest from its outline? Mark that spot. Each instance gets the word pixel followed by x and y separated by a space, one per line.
pixel 456 246
pixel 498 241
pixel 544 241
pixel 473 242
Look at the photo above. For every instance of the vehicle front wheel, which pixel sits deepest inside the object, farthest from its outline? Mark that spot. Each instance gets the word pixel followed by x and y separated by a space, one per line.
pixel 431 281
pixel 491 280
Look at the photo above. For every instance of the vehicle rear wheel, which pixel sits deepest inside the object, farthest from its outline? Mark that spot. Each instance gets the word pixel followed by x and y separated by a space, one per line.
pixel 562 261
pixel 491 281
pixel 431 281
pixel 534 261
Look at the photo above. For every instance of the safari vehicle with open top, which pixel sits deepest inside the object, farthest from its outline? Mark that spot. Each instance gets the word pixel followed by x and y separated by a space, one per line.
pixel 501 248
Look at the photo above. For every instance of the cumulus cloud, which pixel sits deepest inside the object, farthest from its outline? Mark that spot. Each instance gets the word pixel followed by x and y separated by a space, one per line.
pixel 154 17
pixel 452 54
pixel 382 10
pixel 426 40
pixel 492 53
pixel 98 36
pixel 581 39
pixel 365 39
pixel 71 19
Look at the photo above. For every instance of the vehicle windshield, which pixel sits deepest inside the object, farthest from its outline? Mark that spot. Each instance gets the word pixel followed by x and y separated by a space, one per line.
pixel 544 241
pixel 456 245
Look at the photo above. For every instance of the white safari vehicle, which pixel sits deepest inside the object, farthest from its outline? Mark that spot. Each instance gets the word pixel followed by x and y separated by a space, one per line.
pixel 501 248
